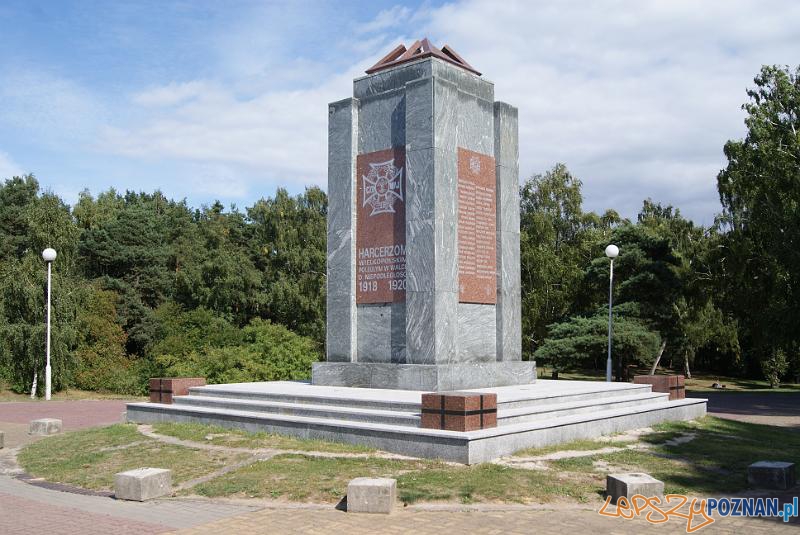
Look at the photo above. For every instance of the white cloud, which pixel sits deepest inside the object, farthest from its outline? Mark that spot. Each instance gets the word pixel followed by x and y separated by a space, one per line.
pixel 8 167
pixel 636 98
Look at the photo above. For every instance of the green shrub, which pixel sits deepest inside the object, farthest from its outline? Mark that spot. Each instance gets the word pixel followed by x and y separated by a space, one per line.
pixel 268 352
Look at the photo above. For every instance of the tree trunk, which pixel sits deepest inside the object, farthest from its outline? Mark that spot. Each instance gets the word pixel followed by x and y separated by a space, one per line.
pixel 658 357
pixel 686 365
pixel 33 386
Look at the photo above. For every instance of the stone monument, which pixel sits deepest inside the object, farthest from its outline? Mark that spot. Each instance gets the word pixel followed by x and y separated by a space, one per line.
pixel 423 230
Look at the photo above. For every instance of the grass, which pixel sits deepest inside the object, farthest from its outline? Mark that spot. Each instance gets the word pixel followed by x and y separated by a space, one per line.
pixel 714 462
pixel 312 479
pixel 90 458
pixel 700 382
pixel 577 445
pixel 220 436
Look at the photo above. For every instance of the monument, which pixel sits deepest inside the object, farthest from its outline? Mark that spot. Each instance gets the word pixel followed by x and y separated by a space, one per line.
pixel 423 289
pixel 423 230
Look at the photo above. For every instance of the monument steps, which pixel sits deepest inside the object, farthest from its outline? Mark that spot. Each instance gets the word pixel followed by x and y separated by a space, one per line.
pixel 537 415
pixel 358 414
pixel 556 410
pixel 522 411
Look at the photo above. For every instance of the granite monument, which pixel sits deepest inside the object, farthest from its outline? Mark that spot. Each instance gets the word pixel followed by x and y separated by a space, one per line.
pixel 423 230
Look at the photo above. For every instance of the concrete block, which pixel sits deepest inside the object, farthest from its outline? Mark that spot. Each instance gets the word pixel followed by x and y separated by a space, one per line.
pixel 771 475
pixel 142 484
pixel 371 495
pixel 45 426
pixel 630 485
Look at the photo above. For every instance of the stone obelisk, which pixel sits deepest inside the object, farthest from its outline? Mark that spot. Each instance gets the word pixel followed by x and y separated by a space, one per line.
pixel 423 230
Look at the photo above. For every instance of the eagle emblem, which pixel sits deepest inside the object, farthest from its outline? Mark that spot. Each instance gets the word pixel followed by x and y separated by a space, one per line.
pixel 383 186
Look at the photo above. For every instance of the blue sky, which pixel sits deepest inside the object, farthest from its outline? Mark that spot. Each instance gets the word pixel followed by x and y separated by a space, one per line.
pixel 226 100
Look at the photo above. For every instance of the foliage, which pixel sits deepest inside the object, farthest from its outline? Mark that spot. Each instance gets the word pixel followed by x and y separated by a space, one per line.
pixel 758 265
pixel 774 367
pixel 583 341
pixel 268 352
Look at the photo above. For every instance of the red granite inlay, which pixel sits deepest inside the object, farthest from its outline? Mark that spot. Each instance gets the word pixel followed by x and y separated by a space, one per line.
pixel 477 225
pixel 381 227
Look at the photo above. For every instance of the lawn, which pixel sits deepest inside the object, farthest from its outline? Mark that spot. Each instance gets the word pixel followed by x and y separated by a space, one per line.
pixel 700 381
pixel 220 436
pixel 90 458
pixel 713 461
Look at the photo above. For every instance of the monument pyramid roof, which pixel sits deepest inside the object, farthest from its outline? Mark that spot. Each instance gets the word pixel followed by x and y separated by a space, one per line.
pixel 418 50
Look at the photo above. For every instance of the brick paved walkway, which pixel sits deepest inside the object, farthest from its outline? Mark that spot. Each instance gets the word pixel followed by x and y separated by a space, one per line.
pixel 572 521
pixel 19 516
pixel 74 414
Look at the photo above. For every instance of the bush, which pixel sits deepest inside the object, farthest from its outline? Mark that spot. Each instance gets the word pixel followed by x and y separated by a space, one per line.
pixel 268 352
pixel 774 367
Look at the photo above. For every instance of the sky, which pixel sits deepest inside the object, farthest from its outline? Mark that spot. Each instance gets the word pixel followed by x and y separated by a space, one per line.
pixel 227 101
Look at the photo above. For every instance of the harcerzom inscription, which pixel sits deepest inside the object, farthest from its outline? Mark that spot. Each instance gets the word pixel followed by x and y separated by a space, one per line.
pixel 381 227
pixel 477 240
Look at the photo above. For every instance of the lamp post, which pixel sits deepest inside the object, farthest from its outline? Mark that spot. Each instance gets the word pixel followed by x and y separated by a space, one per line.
pixel 48 255
pixel 612 251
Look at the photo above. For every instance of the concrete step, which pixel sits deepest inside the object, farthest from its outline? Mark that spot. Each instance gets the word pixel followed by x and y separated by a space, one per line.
pixel 300 399
pixel 410 402
pixel 593 391
pixel 356 414
pixel 532 413
pixel 469 448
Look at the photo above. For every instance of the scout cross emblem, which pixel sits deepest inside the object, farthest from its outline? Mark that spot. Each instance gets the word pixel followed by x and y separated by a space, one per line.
pixel 383 185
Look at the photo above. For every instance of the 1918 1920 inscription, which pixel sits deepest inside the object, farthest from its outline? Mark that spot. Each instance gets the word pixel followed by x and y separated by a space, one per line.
pixel 381 227
pixel 477 240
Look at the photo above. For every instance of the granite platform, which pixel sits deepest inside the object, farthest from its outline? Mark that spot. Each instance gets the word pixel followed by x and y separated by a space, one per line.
pixel 532 415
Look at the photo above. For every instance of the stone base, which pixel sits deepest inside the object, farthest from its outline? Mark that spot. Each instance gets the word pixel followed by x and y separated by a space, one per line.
pixel 142 484
pixel 45 426
pixel 423 377
pixel 371 495
pixel 771 475
pixel 630 485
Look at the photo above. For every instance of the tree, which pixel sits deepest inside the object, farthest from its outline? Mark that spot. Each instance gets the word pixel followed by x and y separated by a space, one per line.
pixel 581 341
pixel 759 259
pixel 557 241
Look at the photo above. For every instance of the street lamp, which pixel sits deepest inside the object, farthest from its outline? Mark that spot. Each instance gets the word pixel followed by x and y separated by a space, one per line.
pixel 48 255
pixel 612 251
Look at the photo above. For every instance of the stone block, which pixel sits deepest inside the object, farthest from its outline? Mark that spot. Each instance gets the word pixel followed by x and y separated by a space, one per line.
pixel 142 484
pixel 771 475
pixel 371 495
pixel 459 411
pixel 163 389
pixel 45 426
pixel 674 385
pixel 630 485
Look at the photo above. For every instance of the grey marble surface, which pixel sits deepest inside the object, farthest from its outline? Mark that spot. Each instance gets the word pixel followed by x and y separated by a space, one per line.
pixel 382 121
pixel 390 79
pixel 476 333
pixel 382 333
pixel 440 377
pixel 340 322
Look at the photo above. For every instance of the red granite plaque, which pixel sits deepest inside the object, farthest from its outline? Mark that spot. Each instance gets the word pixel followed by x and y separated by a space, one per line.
pixel 381 227
pixel 477 241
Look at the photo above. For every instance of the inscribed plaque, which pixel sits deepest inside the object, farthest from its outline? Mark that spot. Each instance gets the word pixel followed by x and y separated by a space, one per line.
pixel 381 227
pixel 477 240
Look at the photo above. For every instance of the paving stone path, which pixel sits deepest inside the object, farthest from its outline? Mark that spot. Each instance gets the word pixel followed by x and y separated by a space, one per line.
pixel 25 508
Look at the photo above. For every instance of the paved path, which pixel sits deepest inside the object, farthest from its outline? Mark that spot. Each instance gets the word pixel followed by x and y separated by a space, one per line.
pixel 29 509
pixel 508 522
pixel 781 409
pixel 73 414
